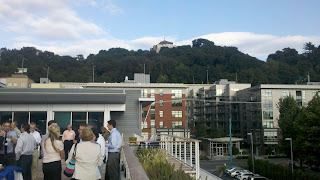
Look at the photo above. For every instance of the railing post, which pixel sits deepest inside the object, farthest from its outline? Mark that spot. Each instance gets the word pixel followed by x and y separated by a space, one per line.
pixel 197 159
pixel 185 152
pixel 146 145
pixel 171 146
pixel 180 151
pixel 176 148
pixel 191 153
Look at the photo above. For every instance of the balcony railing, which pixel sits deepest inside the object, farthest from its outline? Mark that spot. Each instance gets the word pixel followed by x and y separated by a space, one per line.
pixel 182 150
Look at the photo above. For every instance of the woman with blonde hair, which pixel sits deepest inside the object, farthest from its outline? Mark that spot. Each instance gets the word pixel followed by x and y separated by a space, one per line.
pixel 52 154
pixel 87 157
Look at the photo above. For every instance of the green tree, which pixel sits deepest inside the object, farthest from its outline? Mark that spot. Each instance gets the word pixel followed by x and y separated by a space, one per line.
pixel 162 79
pixel 289 114
pixel 201 130
pixel 308 128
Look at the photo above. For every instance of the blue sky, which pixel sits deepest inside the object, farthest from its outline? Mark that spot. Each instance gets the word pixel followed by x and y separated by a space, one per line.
pixel 71 27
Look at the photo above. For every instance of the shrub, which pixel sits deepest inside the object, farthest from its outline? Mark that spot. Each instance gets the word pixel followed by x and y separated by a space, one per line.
pixel 278 172
pixel 156 166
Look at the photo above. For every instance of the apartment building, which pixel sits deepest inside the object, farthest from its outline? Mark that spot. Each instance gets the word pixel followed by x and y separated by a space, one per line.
pixel 259 112
pixel 251 109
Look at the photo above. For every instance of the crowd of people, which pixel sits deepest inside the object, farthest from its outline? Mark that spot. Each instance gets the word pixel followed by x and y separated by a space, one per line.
pixel 89 148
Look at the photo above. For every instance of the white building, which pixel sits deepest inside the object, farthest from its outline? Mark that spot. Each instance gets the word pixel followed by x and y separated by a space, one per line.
pixel 162 44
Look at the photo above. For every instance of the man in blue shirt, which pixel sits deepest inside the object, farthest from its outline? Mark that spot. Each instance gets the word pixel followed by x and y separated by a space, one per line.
pixel 7 156
pixel 114 145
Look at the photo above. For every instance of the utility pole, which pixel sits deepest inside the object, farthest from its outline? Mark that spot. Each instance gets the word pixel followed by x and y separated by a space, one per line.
pixel 207 75
pixel 93 72
pixel 48 73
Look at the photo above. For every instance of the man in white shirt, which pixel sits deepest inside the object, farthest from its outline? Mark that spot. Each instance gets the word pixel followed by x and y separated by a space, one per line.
pixel 101 141
pixel 35 158
pixel 25 147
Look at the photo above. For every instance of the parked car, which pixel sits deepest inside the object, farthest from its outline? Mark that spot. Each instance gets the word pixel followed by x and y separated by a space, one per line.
pixel 235 172
pixel 244 175
pixel 230 169
pixel 257 178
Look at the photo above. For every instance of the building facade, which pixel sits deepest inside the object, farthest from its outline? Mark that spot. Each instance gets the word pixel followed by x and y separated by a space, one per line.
pixel 73 106
pixel 251 109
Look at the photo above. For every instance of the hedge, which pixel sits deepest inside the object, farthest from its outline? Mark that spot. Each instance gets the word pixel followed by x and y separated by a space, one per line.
pixel 278 172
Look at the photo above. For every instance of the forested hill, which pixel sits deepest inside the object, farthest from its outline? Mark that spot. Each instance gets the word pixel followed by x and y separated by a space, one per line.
pixel 184 64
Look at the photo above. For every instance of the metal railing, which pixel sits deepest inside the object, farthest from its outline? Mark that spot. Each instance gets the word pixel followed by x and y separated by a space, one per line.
pixel 183 150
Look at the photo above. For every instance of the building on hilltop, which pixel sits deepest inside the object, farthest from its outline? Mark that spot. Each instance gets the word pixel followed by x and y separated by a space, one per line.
pixel 162 44
pixel 19 79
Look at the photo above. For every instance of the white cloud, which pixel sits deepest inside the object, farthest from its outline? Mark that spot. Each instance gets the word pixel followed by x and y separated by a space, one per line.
pixel 257 45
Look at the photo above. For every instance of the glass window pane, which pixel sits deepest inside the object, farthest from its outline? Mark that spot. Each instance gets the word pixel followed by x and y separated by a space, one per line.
pixel 40 118
pixel 95 117
pixel 78 118
pixel 21 117
pixel 63 120
pixel 5 116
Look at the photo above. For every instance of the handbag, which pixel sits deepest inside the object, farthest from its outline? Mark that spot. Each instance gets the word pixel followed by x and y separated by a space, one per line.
pixel 69 170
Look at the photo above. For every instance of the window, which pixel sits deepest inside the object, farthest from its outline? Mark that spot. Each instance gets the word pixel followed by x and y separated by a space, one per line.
pixel 5 116
pixel 9 84
pixel 267 94
pixel 314 93
pixel 63 119
pixel 144 135
pixel 161 124
pixel 270 136
pixel 267 114
pixel 15 84
pixel 176 94
pixel 268 124
pixel 145 124
pixel 78 118
pixel 161 113
pixel 152 113
pixel 152 123
pixel 219 92
pixel 161 103
pixel 152 93
pixel 176 124
pixel 176 113
pixel 285 94
pixel 177 103
pixel 179 134
pixel 267 104
pixel 144 114
pixel 161 92
pixel 40 118
pixel 95 117
pixel 23 84
pixel 144 93
pixel 152 106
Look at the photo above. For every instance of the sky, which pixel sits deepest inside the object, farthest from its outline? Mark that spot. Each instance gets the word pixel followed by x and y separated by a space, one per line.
pixel 72 27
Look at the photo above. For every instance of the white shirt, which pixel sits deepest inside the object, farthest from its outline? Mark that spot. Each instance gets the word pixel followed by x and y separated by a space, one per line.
pixel 102 142
pixel 25 146
pixel 36 136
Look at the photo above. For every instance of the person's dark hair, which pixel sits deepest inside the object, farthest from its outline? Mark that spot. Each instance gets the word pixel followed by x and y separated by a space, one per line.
pixel 15 123
pixel 95 132
pixel 82 124
pixel 6 122
pixel 113 123
pixel 26 127
pixel 51 121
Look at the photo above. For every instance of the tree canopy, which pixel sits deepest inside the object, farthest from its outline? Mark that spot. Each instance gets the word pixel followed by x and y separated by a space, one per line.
pixel 184 64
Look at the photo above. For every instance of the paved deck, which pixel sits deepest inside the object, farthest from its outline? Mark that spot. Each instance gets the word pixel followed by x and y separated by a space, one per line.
pixel 63 177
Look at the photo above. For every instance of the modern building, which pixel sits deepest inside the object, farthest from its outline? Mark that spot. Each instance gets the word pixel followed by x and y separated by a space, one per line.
pixel 74 106
pixel 162 44
pixel 250 109
pixel 259 112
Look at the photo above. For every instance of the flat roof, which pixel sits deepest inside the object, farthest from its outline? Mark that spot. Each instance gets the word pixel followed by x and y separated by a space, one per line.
pixel 61 96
